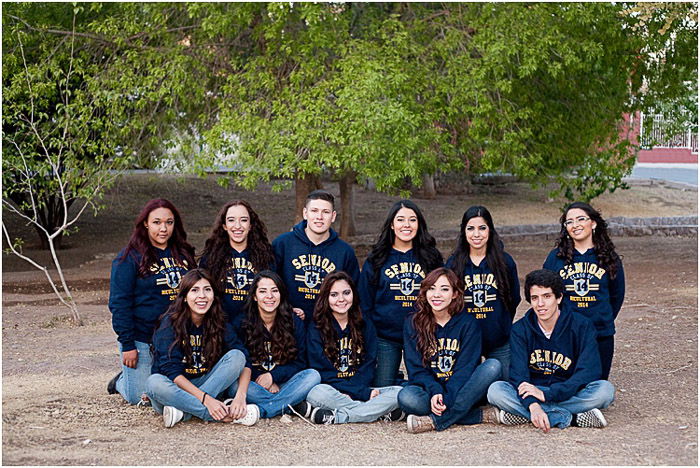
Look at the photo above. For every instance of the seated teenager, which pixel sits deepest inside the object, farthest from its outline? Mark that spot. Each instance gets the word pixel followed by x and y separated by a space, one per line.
pixel 197 357
pixel 342 346
pixel 442 345
pixel 276 341
pixel 555 371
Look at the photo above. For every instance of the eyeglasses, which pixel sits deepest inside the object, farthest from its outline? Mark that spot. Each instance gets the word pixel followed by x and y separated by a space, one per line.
pixel 577 220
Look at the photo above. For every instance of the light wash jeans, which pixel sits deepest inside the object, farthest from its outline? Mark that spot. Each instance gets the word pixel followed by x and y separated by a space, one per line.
pixel 597 394
pixel 132 383
pixel 165 392
pixel 415 400
pixel 389 356
pixel 291 392
pixel 348 410
pixel 502 354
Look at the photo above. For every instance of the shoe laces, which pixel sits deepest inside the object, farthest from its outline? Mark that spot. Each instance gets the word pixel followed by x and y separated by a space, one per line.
pixel 302 417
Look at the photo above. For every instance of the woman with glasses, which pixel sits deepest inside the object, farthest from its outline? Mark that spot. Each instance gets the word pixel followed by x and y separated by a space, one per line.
pixel 594 279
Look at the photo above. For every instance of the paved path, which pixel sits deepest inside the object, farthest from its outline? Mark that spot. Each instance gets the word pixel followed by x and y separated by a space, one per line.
pixel 678 172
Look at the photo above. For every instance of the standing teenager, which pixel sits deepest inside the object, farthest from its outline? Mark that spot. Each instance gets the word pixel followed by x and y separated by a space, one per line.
pixel 197 357
pixel 491 286
pixel 403 254
pixel 312 250
pixel 594 279
pixel 145 279
pixel 342 346
pixel 235 251
pixel 276 341
pixel 443 353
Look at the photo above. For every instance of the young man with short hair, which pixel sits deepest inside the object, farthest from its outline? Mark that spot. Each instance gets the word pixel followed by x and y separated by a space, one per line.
pixel 312 250
pixel 555 367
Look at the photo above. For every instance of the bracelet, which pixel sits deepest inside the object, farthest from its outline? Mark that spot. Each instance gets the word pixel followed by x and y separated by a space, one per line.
pixel 204 396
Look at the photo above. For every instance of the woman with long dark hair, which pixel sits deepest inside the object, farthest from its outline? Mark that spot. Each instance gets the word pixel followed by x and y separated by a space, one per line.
pixel 276 341
pixel 145 280
pixel 399 260
pixel 342 346
pixel 491 286
pixel 594 279
pixel 442 352
pixel 237 248
pixel 197 357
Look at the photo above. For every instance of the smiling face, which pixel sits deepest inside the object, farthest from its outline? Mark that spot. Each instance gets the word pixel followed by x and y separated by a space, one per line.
pixel 160 226
pixel 477 233
pixel 267 295
pixel 340 299
pixel 440 295
pixel 319 215
pixel 405 226
pixel 199 299
pixel 237 226
pixel 545 304
pixel 579 225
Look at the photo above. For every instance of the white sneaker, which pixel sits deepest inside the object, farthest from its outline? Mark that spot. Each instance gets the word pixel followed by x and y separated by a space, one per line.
pixel 171 416
pixel 592 418
pixel 252 416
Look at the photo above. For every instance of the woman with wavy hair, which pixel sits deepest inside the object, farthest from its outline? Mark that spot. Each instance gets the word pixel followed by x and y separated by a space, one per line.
pixel 197 357
pixel 491 286
pixel 237 248
pixel 399 260
pixel 594 279
pixel 442 347
pixel 276 341
pixel 342 346
pixel 145 279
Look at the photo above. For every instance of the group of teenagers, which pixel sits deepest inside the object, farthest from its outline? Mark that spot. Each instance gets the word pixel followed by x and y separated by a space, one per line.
pixel 251 329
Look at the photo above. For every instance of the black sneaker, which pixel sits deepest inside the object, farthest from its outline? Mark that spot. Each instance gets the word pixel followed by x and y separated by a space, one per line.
pixel 592 418
pixel 322 416
pixel 393 416
pixel 112 385
pixel 302 409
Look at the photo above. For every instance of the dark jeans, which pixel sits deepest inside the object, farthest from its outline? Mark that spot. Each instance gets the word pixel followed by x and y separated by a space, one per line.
pixel 389 355
pixel 606 348
pixel 415 400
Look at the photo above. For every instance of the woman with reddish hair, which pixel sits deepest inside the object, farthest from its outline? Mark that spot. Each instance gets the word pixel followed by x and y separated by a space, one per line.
pixel 145 279
pixel 442 346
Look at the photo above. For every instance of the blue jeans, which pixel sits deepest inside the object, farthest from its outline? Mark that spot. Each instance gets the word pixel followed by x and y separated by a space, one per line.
pixel 348 410
pixel 415 400
pixel 388 362
pixel 165 392
pixel 291 392
pixel 502 354
pixel 132 383
pixel 597 394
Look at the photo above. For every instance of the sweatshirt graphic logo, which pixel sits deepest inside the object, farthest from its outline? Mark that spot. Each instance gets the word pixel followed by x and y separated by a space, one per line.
pixel 444 358
pixel 170 272
pixel 313 268
pixel 197 367
pixel 582 278
pixel 478 293
pixel 267 363
pixel 406 278
pixel 345 363
pixel 548 362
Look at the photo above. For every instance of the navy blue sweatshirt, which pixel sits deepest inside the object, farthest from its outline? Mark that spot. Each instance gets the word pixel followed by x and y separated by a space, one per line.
pixel 389 301
pixel 239 277
pixel 481 300
pixel 171 363
pixel 589 289
pixel 280 373
pixel 303 264
pixel 458 354
pixel 350 376
pixel 565 363
pixel 135 302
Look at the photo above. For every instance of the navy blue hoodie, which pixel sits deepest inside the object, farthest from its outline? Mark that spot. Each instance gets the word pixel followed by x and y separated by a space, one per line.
pixel 458 354
pixel 171 363
pixel 389 301
pixel 481 300
pixel 239 277
pixel 135 302
pixel 588 288
pixel 280 373
pixel 565 363
pixel 350 376
pixel 303 264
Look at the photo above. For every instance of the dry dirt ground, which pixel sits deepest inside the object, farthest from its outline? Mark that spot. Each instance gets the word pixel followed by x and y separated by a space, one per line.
pixel 56 411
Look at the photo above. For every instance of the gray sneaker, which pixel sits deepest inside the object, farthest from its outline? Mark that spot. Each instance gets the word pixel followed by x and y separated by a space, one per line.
pixel 592 418
pixel 510 419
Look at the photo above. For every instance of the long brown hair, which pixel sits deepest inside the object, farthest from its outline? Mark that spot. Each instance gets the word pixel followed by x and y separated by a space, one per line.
pixel 424 321
pixel 214 321
pixel 283 344
pixel 323 317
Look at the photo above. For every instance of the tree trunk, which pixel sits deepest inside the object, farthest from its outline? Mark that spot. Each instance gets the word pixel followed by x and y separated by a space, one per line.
pixel 303 185
pixel 57 242
pixel 347 205
pixel 429 190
